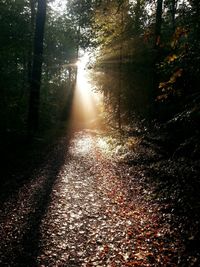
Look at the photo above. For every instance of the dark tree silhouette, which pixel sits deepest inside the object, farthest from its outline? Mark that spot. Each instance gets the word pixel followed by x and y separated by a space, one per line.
pixel 33 116
pixel 158 22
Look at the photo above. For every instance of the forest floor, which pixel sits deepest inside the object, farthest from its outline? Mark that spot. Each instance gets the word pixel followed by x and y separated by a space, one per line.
pixel 100 201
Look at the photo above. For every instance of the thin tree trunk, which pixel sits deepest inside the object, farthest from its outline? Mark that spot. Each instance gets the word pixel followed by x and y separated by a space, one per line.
pixel 35 82
pixel 155 77
pixel 173 13
pixel 158 22
pixel 196 8
pixel 32 4
pixel 77 48
pixel 137 17
pixel 120 90
pixel 119 115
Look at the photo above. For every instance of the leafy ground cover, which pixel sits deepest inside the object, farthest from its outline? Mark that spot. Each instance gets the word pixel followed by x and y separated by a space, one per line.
pixel 101 200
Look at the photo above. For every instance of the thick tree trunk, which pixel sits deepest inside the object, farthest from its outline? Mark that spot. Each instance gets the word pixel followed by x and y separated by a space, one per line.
pixel 33 116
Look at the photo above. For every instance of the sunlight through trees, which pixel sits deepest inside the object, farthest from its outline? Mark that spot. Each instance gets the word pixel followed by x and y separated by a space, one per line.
pixel 99 133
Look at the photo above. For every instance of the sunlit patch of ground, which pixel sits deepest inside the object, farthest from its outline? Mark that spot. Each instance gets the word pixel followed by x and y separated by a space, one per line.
pixel 98 215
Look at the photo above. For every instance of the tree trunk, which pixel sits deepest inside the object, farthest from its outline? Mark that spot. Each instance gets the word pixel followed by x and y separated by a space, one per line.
pixel 155 76
pixel 32 4
pixel 35 82
pixel 173 13
pixel 158 22
pixel 119 108
pixel 196 9
pixel 137 17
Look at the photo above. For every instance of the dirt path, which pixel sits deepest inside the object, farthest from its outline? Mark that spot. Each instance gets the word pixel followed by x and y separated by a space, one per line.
pixel 85 208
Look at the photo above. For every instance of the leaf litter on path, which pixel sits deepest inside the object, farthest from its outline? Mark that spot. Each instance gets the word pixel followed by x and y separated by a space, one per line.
pixel 100 213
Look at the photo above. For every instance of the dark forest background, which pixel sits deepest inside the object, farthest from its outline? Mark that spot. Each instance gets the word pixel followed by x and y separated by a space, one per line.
pixel 147 52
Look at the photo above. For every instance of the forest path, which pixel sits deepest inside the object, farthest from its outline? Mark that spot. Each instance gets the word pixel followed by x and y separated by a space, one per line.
pixel 85 208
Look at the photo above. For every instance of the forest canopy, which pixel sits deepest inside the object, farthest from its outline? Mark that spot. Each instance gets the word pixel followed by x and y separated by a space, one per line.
pixel 154 45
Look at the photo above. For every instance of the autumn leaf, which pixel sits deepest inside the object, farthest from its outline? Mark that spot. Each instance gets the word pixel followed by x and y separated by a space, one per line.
pixel 175 75
pixel 162 97
pixel 171 58
pixel 180 32
pixel 162 85
pixel 105 251
pixel 133 263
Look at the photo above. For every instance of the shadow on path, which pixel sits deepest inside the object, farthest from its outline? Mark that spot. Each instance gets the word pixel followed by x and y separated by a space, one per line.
pixel 21 216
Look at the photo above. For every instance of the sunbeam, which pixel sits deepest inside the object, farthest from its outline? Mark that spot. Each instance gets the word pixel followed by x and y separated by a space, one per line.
pixel 86 105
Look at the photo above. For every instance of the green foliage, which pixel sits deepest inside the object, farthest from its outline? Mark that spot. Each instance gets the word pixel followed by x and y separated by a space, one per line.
pixel 81 14
pixel 15 43
pixel 16 23
pixel 60 45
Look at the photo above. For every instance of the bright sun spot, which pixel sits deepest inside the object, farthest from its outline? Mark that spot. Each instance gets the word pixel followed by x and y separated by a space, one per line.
pixel 83 61
pixel 58 6
pixel 82 76
pixel 103 145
